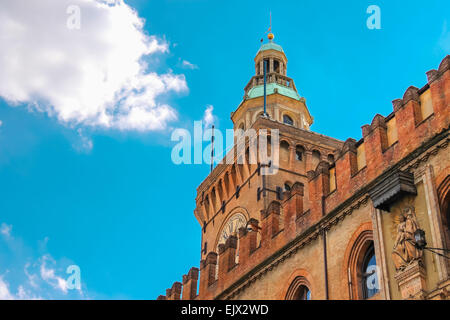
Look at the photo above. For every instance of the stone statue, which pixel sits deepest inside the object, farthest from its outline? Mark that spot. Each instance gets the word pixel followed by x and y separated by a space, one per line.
pixel 405 250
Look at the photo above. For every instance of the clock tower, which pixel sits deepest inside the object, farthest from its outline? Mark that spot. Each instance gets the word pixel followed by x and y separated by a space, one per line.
pixel 235 195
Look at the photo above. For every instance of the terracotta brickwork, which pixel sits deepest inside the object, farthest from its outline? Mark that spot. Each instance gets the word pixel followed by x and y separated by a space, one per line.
pixel 315 231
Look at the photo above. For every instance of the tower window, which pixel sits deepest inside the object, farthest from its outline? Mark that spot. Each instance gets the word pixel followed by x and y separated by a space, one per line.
pixel 330 158
pixel 299 150
pixel 284 151
pixel 315 158
pixel 287 187
pixel 288 120
pixel 276 66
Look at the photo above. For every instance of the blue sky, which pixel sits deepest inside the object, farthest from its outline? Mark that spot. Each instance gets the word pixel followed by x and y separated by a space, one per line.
pixel 104 194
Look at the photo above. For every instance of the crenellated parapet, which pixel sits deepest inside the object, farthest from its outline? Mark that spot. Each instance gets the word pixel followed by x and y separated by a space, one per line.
pixel 240 253
pixel 190 281
pixel 419 116
pixel 174 293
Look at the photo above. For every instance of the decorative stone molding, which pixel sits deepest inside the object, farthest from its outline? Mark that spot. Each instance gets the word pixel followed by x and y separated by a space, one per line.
pixel 411 281
pixel 432 152
pixel 390 189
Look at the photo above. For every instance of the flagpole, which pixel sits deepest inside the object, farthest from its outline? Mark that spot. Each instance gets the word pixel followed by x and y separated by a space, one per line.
pixel 265 85
pixel 212 148
pixel 265 115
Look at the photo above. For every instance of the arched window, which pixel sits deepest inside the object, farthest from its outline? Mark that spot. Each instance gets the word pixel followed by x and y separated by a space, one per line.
pixel 214 199
pixel 315 158
pixel 299 289
pixel 226 180
pixel 284 151
pixel 287 186
pixel 241 168
pixel 303 293
pixel 299 151
pixel 262 153
pixel 330 158
pixel 261 115
pixel 276 66
pixel 233 176
pixel 362 267
pixel 206 204
pixel 316 155
pixel 247 160
pixel 288 120
pixel 443 192
pixel 369 278
pixel 247 156
pixel 220 191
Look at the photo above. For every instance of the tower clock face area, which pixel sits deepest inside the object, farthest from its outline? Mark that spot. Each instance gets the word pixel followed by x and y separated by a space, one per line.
pixel 232 226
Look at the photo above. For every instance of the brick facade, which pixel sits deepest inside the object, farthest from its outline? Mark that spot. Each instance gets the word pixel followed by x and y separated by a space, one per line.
pixel 316 232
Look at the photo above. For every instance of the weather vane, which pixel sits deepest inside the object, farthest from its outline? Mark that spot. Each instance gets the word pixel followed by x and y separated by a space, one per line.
pixel 270 35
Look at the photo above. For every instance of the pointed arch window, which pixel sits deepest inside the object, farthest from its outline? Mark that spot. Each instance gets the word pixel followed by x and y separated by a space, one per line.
pixel 369 279
pixel 299 289
pixel 443 192
pixel 362 268
pixel 303 293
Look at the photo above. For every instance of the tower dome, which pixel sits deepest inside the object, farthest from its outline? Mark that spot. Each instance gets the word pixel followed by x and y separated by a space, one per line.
pixel 283 99
pixel 271 46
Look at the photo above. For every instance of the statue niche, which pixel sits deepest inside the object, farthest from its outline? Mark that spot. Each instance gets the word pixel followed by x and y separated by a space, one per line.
pixel 405 252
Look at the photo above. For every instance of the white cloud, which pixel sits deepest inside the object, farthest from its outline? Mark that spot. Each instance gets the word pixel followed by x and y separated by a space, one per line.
pixel 84 143
pixel 32 278
pixel 208 116
pixel 188 65
pixel 22 293
pixel 1 123
pixel 48 275
pixel 28 277
pixel 5 229
pixel 5 293
pixel 99 75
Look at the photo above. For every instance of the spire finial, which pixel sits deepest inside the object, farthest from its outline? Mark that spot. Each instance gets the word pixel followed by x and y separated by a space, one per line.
pixel 270 36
